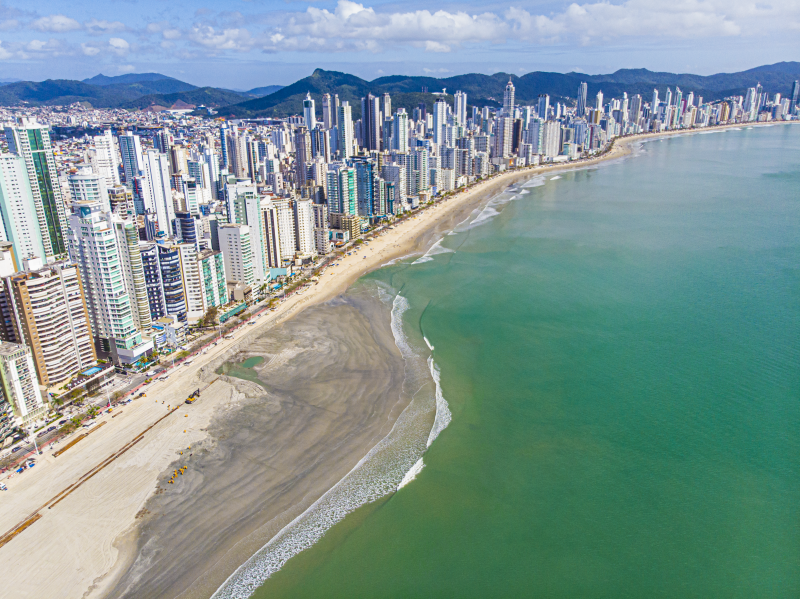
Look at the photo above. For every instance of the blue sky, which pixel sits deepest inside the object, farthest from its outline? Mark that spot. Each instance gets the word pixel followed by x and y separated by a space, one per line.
pixel 244 44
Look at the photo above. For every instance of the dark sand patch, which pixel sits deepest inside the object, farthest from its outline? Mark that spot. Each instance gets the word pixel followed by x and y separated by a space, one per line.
pixel 329 388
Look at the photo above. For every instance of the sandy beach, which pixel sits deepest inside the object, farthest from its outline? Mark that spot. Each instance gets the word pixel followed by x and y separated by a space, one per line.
pixel 329 391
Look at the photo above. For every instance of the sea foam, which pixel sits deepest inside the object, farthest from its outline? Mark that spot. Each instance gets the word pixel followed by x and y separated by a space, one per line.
pixel 435 249
pixel 393 463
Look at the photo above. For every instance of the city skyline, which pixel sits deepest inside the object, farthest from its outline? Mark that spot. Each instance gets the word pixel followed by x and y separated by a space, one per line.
pixel 267 43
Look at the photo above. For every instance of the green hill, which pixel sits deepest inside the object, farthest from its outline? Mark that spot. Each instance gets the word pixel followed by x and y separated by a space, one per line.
pixel 487 90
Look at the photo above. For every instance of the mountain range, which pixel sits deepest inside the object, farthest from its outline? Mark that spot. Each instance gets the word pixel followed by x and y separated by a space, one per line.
pixel 135 90
pixel 487 90
pixel 141 90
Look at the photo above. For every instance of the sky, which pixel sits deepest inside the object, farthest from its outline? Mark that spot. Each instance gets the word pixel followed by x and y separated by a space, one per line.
pixel 242 44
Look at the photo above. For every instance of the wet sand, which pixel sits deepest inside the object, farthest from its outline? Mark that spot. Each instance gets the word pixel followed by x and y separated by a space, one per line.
pixel 330 389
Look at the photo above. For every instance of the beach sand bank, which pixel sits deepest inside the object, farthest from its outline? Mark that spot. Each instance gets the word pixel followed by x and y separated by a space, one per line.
pixel 91 543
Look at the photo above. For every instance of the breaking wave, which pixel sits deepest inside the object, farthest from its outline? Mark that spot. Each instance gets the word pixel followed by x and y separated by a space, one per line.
pixel 393 463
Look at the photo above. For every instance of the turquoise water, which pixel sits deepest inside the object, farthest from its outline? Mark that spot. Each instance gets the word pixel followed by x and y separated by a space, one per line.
pixel 620 349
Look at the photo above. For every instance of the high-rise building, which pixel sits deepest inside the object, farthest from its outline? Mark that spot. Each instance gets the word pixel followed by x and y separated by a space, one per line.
pixel 400 131
pixel 460 108
pixel 508 99
pixel 551 139
pixel 127 235
pixel 87 186
pixel 304 228
pixel 92 246
pixel 20 225
pixel 439 120
pixel 345 127
pixel 214 285
pixel 328 117
pixel 386 107
pixel 582 90
pixel 19 384
pixel 191 279
pixel 371 122
pixel 793 97
pixel 157 191
pixel 104 158
pixel 169 261
pixel 49 315
pixel 543 107
pixel 31 140
pixel 234 241
pixel 309 112
pixel 270 232
pixel 130 148
pixel 284 213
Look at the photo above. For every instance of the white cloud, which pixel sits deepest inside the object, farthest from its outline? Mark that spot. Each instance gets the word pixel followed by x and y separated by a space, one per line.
pixel 125 68
pixel 4 54
pixel 56 24
pixel 101 26
pixel 171 34
pixel 119 46
pixel 9 24
pixel 90 50
pixel 236 39
pixel 353 26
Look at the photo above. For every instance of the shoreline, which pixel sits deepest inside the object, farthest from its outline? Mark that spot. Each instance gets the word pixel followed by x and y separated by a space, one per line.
pixel 101 517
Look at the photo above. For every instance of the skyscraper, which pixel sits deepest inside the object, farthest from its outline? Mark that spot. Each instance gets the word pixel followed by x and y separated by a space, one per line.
pixel 543 109
pixel 598 102
pixel 508 99
pixel 582 90
pixel 86 186
pixel 103 158
pixel 32 141
pixel 158 198
pixel 439 120
pixel 793 97
pixel 309 112
pixel 400 131
pixel 130 148
pixel 460 108
pixel 50 316
pixel 345 126
pixel 93 247
pixel 19 383
pixel 234 241
pixel 20 224
pixel 371 122
pixel 328 117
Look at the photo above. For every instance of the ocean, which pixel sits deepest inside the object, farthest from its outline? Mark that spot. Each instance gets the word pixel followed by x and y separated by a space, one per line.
pixel 616 359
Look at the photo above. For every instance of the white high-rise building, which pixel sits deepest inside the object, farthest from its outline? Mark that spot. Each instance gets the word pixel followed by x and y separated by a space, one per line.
pixel 19 382
pixel 127 235
pixel 400 131
pixel 20 225
pixel 345 125
pixel 508 100
pixel 304 228
pixel 104 158
pixel 93 247
pixel 234 241
pixel 192 282
pixel 286 227
pixel 439 120
pixel 460 108
pixel 309 113
pixel 159 202
pixel 328 112
pixel 88 186
pixel 551 139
